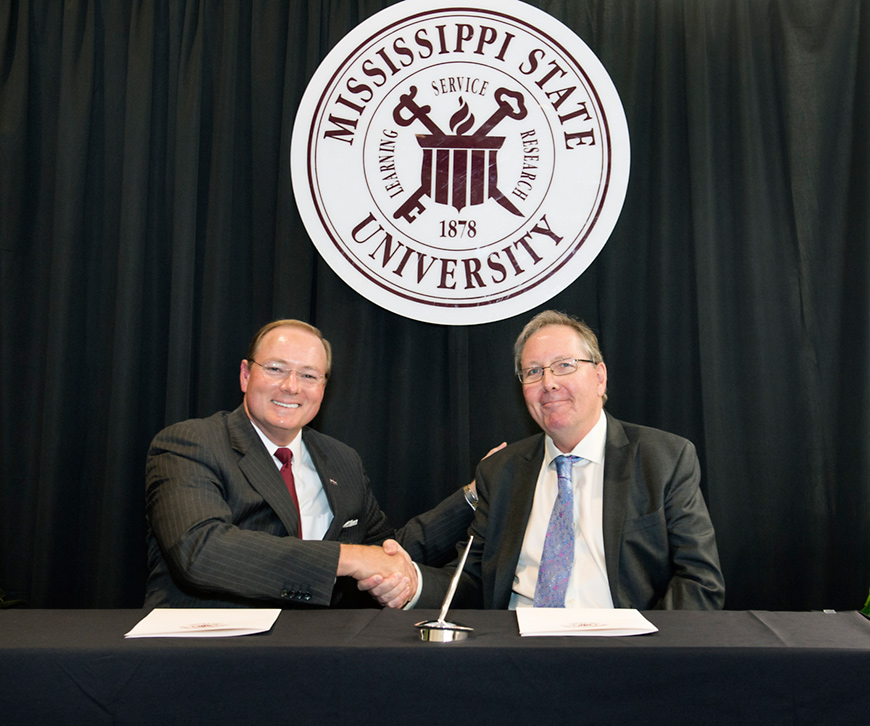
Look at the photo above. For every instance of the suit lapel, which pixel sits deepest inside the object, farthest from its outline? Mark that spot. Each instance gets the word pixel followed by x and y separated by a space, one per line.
pixel 517 496
pixel 329 478
pixel 618 463
pixel 260 470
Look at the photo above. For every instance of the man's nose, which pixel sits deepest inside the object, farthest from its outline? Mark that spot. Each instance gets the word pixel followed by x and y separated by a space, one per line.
pixel 290 382
pixel 548 379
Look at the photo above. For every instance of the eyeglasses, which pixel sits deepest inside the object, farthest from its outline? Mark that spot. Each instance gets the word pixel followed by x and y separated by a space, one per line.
pixel 563 367
pixel 278 372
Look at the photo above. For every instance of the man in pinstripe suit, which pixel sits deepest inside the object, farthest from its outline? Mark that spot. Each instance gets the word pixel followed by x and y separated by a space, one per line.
pixel 222 527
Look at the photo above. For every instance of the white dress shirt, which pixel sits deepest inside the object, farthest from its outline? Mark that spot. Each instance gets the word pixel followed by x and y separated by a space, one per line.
pixel 313 505
pixel 588 586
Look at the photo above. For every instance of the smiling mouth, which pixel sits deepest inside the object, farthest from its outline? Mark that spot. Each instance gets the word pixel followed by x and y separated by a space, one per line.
pixel 552 401
pixel 552 404
pixel 286 405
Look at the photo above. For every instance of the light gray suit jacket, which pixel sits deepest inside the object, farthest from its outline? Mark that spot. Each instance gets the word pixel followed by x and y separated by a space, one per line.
pixel 218 516
pixel 659 545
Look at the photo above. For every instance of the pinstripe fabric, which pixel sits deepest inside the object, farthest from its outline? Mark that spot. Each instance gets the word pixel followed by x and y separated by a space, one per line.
pixel 218 516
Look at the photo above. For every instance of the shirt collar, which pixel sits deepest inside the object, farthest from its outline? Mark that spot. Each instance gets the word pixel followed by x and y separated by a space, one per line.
pixel 295 446
pixel 590 447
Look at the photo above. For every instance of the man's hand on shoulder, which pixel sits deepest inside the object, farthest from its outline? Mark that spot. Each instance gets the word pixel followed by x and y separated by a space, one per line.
pixel 471 488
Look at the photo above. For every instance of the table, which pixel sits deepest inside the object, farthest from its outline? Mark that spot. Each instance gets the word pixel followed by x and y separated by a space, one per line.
pixel 369 666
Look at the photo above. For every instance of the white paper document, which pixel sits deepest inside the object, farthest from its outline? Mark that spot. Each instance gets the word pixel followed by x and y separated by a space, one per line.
pixel 204 622
pixel 583 621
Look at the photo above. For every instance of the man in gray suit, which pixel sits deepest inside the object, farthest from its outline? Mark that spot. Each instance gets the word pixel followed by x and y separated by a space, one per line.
pixel 253 508
pixel 593 512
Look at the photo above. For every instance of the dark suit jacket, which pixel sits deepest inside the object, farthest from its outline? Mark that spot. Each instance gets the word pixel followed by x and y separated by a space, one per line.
pixel 218 516
pixel 659 545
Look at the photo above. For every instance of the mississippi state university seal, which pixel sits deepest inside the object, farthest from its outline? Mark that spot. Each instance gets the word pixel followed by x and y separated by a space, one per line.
pixel 460 164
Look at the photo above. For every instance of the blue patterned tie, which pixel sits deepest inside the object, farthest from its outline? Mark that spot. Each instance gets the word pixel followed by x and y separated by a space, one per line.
pixel 557 558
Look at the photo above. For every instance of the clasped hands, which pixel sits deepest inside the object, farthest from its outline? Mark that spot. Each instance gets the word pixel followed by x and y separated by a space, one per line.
pixel 386 572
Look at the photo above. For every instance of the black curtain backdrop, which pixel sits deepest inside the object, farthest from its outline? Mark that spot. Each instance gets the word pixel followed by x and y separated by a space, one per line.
pixel 148 228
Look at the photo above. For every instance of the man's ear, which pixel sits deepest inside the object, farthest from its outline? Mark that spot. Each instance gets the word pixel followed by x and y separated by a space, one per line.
pixel 244 374
pixel 601 371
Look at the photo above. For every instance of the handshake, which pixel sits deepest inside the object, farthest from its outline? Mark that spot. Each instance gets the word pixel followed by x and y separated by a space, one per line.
pixel 386 572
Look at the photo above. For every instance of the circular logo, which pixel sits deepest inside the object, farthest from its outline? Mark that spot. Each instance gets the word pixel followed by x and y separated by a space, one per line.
pixel 460 165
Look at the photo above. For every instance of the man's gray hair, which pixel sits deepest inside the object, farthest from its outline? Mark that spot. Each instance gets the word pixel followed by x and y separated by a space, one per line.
pixel 554 317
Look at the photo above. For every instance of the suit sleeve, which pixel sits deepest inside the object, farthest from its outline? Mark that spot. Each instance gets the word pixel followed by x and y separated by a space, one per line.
pixel 436 580
pixel 696 581
pixel 431 538
pixel 192 513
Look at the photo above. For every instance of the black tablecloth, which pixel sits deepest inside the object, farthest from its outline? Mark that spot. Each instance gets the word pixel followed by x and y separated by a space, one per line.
pixel 369 666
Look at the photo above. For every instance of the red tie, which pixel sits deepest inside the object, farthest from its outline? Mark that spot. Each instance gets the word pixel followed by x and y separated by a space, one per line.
pixel 285 456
